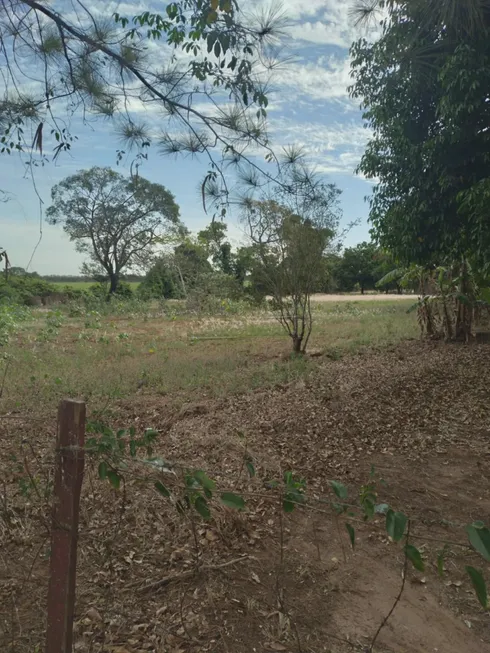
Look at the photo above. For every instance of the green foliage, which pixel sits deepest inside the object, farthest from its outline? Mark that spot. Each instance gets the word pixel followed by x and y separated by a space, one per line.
pixel 293 492
pixel 25 289
pixel 357 268
pixel 479 537
pixel 232 500
pixel 111 448
pixel 413 554
pixel 352 534
pixel 11 317
pixel 220 52
pixel 160 282
pixel 339 489
pixel 286 256
pixel 479 585
pixel 396 522
pixel 424 89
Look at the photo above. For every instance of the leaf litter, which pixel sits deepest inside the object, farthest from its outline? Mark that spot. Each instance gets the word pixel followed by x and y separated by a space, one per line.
pixel 418 412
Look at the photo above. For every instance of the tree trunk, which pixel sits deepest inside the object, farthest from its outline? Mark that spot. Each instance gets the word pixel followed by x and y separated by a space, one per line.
pixel 297 342
pixel 362 290
pixel 464 305
pixel 114 282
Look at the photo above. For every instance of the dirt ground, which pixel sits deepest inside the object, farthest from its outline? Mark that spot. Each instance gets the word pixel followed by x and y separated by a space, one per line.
pixel 368 297
pixel 418 412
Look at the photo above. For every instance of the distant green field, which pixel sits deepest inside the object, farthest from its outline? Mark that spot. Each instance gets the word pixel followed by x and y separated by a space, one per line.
pixel 83 285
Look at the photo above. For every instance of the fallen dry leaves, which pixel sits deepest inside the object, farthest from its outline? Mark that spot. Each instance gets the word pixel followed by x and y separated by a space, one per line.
pixel 418 412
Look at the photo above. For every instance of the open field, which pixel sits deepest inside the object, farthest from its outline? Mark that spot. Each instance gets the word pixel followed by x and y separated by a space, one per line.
pixel 221 391
pixel 368 297
pixel 85 285
pixel 105 358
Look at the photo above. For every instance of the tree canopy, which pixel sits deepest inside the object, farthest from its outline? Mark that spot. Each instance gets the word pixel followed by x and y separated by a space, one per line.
pixel 357 266
pixel 117 221
pixel 286 257
pixel 425 90
pixel 201 67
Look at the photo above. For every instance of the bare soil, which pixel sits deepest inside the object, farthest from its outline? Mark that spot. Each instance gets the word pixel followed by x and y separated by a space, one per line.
pixel 418 412
pixel 368 297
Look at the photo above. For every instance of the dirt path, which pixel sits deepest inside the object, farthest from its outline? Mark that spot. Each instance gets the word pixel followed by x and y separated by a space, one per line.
pixel 380 297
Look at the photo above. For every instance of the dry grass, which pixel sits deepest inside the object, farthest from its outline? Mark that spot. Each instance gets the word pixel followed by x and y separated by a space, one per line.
pixel 217 389
pixel 106 358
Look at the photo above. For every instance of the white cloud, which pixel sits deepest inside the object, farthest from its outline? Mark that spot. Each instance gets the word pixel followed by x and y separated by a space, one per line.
pixel 337 147
pixel 325 79
pixel 321 33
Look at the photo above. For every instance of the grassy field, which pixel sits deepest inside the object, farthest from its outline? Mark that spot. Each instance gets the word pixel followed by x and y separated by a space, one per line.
pixel 104 358
pixel 374 407
pixel 84 285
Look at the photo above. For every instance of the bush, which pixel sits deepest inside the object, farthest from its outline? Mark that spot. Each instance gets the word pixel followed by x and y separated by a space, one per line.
pixel 124 290
pixel 160 283
pixel 23 289
pixel 10 317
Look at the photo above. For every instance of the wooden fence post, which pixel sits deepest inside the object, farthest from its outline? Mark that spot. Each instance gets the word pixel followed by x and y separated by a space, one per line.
pixel 70 458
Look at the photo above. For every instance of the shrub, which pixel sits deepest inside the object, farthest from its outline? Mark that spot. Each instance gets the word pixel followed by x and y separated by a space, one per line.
pixel 22 289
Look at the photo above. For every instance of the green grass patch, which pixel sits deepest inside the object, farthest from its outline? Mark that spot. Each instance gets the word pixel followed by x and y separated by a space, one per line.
pixel 102 358
pixel 85 285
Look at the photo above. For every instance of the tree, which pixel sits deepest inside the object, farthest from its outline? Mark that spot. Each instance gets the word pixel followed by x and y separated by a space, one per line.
pixel 425 90
pixel 213 238
pixel 61 65
pixel 288 250
pixel 357 267
pixel 117 221
pixel 190 261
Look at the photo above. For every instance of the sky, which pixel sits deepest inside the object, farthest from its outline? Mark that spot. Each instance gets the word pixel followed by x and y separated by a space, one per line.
pixel 309 107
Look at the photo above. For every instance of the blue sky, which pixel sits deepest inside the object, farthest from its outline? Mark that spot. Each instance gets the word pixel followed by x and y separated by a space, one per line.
pixel 309 107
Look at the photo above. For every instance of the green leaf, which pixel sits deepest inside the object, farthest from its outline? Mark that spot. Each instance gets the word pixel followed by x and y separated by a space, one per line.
pixel 160 487
pixel 201 505
pixel 479 537
pixel 103 470
pixel 413 554
pixel 250 469
pixel 338 507
pixel 339 489
pixel 114 479
pixel 288 506
pixel 132 448
pixel 479 585
pixel 368 507
pixel 352 535
pixel 203 479
pixel 232 500
pixel 395 525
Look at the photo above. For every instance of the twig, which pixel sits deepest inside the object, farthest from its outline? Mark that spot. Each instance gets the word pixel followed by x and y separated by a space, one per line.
pixel 7 365
pixel 344 555
pixel 31 569
pixel 185 574
pixel 399 595
pixel 182 620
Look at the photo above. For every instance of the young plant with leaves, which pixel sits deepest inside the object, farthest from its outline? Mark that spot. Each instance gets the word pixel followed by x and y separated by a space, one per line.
pixel 290 228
